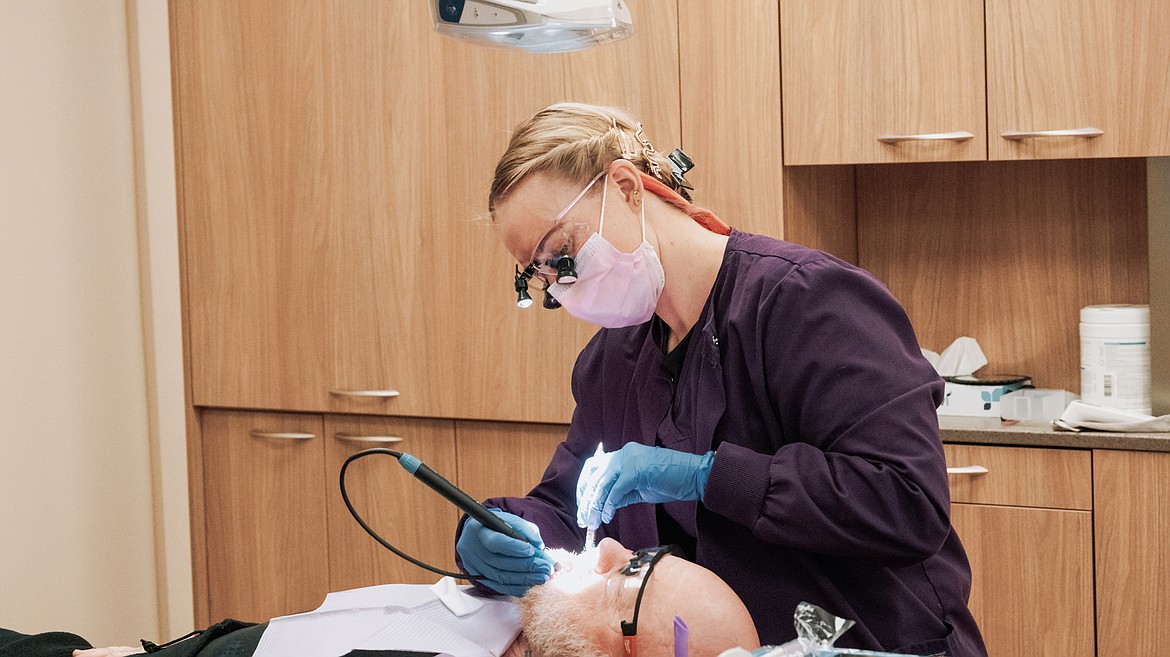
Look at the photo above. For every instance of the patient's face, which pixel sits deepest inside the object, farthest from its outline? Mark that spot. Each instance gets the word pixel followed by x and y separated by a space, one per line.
pixel 580 610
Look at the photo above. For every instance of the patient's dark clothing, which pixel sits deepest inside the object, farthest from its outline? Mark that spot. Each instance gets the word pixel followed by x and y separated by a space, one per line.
pixel 49 644
pixel 227 638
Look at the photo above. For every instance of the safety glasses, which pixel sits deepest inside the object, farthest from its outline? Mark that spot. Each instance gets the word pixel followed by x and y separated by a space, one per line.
pixel 559 239
pixel 552 258
pixel 641 564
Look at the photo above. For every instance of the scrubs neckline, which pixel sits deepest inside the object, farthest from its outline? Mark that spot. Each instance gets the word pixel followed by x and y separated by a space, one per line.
pixel 658 325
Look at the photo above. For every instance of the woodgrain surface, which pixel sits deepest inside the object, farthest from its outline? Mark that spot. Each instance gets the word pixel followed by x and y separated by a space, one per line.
pixel 504 459
pixel 854 70
pixel 1021 476
pixel 1132 523
pixel 1032 587
pixel 412 517
pixel 1007 253
pixel 265 507
pixel 333 156
pixel 730 84
pixel 820 209
pixel 1063 64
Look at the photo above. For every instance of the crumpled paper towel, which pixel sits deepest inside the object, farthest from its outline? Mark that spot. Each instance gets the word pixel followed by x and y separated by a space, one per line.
pixel 458 602
pixel 962 357
pixel 1080 415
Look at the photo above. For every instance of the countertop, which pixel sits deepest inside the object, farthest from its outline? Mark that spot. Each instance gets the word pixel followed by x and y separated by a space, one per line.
pixel 992 431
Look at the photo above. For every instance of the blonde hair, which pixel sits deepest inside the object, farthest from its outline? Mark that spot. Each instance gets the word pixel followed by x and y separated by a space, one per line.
pixel 549 619
pixel 575 141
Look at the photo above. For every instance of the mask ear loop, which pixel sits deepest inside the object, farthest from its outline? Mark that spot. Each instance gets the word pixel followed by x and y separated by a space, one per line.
pixel 601 223
pixel 642 207
pixel 604 192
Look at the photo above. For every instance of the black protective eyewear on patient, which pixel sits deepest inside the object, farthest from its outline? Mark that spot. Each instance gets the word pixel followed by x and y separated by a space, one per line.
pixel 643 560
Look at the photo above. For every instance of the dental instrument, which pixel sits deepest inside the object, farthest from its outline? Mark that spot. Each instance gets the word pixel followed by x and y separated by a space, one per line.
pixel 448 491
pixel 591 532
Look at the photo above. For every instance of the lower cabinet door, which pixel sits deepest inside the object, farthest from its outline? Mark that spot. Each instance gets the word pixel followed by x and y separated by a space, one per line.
pixel 1032 572
pixel 400 508
pixel 265 514
pixel 1132 493
pixel 499 459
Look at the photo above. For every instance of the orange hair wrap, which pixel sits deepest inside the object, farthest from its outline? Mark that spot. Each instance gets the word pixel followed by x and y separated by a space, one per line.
pixel 704 218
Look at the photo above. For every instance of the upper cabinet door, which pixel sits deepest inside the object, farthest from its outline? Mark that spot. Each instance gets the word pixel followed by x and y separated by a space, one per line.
pixel 882 81
pixel 730 104
pixel 333 158
pixel 1078 78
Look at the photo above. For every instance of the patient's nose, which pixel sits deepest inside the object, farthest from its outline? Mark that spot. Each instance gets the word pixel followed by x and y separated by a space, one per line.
pixel 610 554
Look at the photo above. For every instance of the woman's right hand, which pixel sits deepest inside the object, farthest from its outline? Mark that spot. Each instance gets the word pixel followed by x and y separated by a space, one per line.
pixel 510 566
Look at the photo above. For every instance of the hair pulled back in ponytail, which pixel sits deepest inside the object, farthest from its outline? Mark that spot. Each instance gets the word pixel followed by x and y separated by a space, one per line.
pixel 574 141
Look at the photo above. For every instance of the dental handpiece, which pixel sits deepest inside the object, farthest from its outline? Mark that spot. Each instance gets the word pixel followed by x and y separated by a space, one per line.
pixel 591 532
pixel 465 502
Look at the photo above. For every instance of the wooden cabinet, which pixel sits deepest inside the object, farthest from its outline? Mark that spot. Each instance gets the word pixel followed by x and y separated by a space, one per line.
pixel 278 536
pixel 1027 526
pixel 857 69
pixel 265 511
pixel 498 460
pixel 396 505
pixel 332 159
pixel 1132 514
pixel 730 84
pixel 1078 64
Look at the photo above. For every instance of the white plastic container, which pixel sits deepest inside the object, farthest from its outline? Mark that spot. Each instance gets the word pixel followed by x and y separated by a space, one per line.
pixel 1115 357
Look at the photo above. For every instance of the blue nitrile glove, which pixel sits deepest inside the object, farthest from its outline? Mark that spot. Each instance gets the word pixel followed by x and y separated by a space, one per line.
pixel 638 473
pixel 510 566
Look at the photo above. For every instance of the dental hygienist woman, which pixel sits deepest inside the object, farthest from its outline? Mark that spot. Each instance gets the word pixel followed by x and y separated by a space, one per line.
pixel 762 404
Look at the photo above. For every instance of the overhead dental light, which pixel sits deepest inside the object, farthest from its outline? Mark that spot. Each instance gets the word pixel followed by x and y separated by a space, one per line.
pixel 534 25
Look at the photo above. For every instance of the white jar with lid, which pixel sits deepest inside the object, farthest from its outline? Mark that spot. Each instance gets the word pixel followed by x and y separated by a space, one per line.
pixel 1115 356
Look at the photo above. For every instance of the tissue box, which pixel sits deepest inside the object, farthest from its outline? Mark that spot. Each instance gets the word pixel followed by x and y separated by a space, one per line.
pixel 972 396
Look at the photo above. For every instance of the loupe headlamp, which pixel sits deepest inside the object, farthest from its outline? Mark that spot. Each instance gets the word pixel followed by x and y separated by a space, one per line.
pixel 550 302
pixel 566 268
pixel 523 299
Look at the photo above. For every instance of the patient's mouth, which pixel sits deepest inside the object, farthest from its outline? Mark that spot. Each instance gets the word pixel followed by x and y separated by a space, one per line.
pixel 577 570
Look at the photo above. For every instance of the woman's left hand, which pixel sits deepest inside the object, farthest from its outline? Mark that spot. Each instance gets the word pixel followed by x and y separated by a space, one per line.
pixel 638 473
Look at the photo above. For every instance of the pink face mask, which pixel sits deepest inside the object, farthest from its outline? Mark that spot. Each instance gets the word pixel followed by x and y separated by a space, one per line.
pixel 613 289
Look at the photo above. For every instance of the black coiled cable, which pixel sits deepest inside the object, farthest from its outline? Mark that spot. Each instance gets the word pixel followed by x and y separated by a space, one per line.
pixel 369 530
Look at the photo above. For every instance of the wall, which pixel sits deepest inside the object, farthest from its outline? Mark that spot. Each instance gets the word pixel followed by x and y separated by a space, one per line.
pixel 85 390
pixel 1158 180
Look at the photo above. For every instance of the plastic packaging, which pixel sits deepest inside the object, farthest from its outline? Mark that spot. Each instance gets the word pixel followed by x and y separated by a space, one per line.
pixel 1040 405
pixel 816 632
pixel 1115 357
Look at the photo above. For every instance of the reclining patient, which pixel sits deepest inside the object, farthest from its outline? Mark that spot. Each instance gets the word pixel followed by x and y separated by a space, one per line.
pixel 579 613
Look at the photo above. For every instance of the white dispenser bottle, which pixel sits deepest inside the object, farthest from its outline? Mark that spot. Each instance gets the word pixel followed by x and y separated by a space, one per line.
pixel 1115 356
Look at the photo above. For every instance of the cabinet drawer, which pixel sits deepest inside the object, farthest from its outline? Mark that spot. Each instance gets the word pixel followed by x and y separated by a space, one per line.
pixel 1022 476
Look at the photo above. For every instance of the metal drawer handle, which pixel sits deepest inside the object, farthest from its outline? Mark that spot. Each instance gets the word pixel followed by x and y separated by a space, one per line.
pixel 383 394
pixel 1087 133
pixel 968 470
pixel 961 135
pixel 282 435
pixel 355 438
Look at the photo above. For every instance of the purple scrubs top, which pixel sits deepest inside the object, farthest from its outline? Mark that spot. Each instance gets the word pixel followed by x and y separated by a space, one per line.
pixel 828 485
